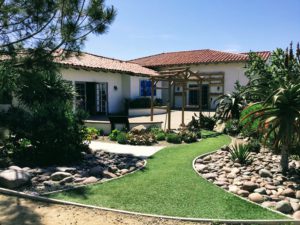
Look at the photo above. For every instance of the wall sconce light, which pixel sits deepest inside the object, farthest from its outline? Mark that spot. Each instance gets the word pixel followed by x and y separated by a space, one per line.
pixel 115 88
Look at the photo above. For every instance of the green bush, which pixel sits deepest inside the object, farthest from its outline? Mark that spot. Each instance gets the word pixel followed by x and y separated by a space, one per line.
pixel 122 138
pixel 254 145
pixel 160 136
pixel 240 153
pixel 91 133
pixel 232 127
pixel 203 122
pixel 199 134
pixel 173 138
pixel 249 125
pixel 141 139
pixel 189 137
pixel 114 134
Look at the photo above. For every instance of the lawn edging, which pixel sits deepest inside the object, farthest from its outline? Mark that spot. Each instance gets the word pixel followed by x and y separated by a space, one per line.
pixel 199 174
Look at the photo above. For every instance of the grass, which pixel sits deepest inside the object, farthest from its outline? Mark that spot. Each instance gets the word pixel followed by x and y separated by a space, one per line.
pixel 170 186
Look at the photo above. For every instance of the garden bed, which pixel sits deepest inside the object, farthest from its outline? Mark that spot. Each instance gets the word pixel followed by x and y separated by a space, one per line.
pixel 98 166
pixel 259 181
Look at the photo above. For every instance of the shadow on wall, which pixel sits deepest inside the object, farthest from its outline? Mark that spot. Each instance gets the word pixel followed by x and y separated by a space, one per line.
pixel 14 212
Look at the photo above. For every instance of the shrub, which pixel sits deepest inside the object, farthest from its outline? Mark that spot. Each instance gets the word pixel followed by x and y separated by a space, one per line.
pixel 141 139
pixel 91 133
pixel 139 103
pixel 160 136
pixel 155 130
pixel 199 134
pixel 240 153
pixel 249 125
pixel 114 134
pixel 122 138
pixel 254 145
pixel 189 137
pixel 232 127
pixel 173 138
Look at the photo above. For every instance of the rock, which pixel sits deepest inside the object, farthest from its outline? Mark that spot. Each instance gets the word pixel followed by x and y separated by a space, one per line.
pixel 49 183
pixel 219 127
pixel 265 173
pixel 235 170
pixel 13 178
pixel 113 168
pixel 233 189
pixel 243 193
pixel 57 176
pixel 210 175
pixel 66 169
pixel 14 168
pixel 270 187
pixel 90 180
pixel 261 191
pixel 67 180
pixel 298 194
pixel 138 129
pixel 249 186
pixel 296 215
pixel 289 193
pixel 96 171
pixel 107 174
pixel 284 207
pixel 255 197
pixel 295 206
pixel 268 204
pixel 207 158
pixel 200 167
pixel 139 164
pixel 124 171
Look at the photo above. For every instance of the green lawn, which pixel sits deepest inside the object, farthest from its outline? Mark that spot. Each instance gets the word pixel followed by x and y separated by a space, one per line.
pixel 169 186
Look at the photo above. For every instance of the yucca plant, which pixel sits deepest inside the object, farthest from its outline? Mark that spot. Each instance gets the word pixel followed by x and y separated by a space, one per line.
pixel 280 115
pixel 240 153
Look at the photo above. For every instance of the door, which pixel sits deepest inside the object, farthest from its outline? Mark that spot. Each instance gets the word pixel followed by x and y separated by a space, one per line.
pixel 101 98
pixel 194 95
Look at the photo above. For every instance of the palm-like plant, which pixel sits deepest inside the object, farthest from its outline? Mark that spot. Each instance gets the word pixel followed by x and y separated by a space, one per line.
pixel 230 105
pixel 281 115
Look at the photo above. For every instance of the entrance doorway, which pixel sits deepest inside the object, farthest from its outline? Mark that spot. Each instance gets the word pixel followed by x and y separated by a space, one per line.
pixel 193 95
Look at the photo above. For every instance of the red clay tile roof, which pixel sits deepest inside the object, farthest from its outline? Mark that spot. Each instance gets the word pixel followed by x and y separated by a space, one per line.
pixel 95 62
pixel 195 57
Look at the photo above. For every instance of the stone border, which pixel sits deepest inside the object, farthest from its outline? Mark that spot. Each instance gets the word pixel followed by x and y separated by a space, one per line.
pixel 98 182
pixel 274 211
pixel 62 202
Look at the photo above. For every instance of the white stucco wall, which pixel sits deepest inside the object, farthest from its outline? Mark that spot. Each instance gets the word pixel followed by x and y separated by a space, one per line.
pixel 115 97
pixel 135 87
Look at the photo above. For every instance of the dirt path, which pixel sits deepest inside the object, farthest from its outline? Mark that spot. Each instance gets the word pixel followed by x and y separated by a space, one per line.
pixel 19 211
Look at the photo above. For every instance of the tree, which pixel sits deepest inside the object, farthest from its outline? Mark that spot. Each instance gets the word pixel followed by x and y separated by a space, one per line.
pixel 280 115
pixel 32 34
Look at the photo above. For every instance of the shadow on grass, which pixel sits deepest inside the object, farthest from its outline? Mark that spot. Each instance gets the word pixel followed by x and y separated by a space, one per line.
pixel 15 212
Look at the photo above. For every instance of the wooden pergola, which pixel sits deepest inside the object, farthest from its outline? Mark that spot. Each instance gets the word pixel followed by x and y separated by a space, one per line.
pixel 181 77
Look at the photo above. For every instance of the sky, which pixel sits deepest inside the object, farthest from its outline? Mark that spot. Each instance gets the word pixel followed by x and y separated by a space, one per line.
pixel 147 27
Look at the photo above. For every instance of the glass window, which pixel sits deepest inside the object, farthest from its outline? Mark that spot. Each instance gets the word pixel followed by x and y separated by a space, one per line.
pixel 145 88
pixel 81 95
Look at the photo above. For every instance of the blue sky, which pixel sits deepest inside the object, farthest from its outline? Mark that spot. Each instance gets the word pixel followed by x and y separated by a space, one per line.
pixel 146 27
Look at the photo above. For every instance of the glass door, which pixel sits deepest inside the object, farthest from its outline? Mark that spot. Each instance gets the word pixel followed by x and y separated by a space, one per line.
pixel 101 98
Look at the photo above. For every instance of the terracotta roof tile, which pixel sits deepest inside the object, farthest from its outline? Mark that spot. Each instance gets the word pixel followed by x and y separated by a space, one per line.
pixel 90 61
pixel 194 57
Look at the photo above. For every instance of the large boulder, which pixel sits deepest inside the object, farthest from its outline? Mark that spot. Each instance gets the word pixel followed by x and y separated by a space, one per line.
pixel 13 178
pixel 138 129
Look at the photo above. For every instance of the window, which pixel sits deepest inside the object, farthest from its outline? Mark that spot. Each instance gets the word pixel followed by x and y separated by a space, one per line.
pixel 5 97
pixel 145 88
pixel 81 95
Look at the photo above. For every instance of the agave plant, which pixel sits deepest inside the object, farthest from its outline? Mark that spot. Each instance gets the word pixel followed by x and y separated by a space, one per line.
pixel 281 115
pixel 240 153
pixel 230 105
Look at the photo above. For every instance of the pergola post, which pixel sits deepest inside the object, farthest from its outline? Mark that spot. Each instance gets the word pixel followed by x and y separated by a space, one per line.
pixel 169 106
pixel 183 103
pixel 152 99
pixel 200 99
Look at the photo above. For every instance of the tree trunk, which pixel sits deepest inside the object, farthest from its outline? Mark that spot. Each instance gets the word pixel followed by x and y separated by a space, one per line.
pixel 284 161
